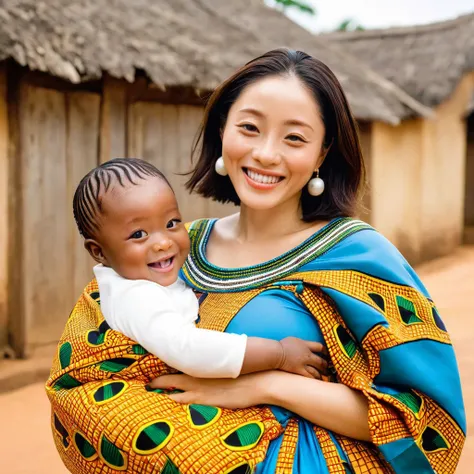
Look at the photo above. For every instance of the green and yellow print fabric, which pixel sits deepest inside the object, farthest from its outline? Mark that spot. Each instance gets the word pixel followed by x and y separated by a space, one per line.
pixel 104 420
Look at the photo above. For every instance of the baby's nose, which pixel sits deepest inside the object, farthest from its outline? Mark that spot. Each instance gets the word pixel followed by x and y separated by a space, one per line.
pixel 162 244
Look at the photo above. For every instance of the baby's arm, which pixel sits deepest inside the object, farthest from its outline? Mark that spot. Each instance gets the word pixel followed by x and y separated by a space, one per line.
pixel 290 354
pixel 144 312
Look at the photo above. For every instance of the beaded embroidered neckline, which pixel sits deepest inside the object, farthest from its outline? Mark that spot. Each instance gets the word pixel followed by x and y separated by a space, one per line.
pixel 206 276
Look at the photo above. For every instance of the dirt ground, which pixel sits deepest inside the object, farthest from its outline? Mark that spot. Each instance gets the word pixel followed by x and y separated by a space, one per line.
pixel 26 440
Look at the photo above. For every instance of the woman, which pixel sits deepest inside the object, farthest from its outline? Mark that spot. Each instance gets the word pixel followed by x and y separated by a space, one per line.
pixel 279 140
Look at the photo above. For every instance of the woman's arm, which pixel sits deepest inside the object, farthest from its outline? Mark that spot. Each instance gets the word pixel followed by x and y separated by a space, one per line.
pixel 330 405
pixel 333 406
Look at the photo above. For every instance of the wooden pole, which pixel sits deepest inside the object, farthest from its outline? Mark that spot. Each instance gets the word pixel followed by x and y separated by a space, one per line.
pixel 113 119
pixel 4 190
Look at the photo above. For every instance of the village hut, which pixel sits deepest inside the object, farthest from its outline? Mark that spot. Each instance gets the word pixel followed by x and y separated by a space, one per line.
pixel 82 81
pixel 428 164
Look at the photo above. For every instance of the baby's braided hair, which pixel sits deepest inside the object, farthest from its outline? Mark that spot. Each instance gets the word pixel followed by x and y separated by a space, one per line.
pixel 87 202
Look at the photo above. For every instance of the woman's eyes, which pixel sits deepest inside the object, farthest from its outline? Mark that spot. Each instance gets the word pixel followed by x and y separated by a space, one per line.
pixel 139 234
pixel 173 223
pixel 295 138
pixel 249 127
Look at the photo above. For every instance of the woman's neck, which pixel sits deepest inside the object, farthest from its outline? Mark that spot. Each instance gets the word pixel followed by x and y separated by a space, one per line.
pixel 263 225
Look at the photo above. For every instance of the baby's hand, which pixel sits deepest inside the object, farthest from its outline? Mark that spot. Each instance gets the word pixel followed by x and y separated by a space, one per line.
pixel 298 357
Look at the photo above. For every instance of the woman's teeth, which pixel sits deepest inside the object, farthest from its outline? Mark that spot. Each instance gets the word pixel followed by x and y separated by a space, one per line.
pixel 263 178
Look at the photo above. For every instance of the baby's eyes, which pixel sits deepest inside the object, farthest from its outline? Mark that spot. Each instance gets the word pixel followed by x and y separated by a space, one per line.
pixel 139 234
pixel 173 223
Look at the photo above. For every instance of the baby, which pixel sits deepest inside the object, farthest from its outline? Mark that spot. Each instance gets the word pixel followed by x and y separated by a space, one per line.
pixel 128 215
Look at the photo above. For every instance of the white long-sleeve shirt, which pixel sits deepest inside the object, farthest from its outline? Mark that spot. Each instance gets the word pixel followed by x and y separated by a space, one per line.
pixel 162 320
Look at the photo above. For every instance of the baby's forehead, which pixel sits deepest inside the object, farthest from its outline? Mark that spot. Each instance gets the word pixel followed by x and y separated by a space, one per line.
pixel 129 189
pixel 114 194
pixel 116 189
pixel 146 196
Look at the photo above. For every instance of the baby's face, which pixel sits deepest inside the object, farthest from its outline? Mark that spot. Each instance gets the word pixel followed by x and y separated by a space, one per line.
pixel 141 233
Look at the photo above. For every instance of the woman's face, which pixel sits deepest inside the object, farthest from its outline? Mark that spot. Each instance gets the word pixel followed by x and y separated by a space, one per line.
pixel 272 142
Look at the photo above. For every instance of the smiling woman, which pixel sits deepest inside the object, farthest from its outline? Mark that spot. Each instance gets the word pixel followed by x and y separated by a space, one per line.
pixel 293 262
pixel 265 150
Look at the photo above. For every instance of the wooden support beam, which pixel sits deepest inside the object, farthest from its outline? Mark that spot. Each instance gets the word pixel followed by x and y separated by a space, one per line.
pixel 4 190
pixel 113 119
pixel 15 300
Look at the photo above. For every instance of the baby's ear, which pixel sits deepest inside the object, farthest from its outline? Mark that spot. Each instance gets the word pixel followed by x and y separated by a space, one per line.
pixel 95 251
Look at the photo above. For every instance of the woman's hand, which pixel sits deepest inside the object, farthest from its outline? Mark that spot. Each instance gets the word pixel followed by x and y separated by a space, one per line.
pixel 243 392
pixel 333 406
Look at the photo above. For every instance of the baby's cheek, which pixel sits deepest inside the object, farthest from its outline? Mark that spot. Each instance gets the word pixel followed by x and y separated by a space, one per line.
pixel 132 264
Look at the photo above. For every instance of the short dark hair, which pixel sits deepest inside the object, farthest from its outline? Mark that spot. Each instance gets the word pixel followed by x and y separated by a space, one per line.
pixel 343 168
pixel 87 202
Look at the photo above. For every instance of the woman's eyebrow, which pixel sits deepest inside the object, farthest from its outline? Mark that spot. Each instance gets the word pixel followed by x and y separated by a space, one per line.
pixel 299 123
pixel 250 110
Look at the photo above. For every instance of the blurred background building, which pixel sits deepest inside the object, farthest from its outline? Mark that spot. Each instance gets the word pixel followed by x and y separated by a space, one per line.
pixel 84 81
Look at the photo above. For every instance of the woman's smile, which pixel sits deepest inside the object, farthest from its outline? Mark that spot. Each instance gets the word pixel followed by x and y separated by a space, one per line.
pixel 260 179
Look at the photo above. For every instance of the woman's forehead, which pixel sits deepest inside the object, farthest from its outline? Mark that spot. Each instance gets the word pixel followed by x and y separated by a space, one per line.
pixel 282 95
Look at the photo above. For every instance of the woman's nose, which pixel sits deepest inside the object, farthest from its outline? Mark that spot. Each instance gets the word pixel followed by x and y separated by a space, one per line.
pixel 267 154
pixel 161 244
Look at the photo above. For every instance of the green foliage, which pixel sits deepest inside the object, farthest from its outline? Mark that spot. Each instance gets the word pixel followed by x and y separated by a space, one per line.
pixel 302 6
pixel 350 25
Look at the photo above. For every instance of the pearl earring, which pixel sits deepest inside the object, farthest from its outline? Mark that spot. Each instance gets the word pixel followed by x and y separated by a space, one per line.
pixel 220 167
pixel 316 185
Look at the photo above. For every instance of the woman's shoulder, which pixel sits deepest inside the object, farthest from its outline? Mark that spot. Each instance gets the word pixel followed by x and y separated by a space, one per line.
pixel 346 241
pixel 350 235
pixel 368 241
pixel 342 234
pixel 369 252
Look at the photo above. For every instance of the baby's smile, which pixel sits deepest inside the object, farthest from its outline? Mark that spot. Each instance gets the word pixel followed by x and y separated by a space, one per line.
pixel 163 265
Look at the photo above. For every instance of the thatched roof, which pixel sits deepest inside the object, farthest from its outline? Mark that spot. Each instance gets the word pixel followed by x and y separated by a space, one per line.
pixel 371 95
pixel 426 61
pixel 193 43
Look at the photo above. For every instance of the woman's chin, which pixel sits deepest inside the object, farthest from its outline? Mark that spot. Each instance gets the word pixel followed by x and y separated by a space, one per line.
pixel 259 203
pixel 270 201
